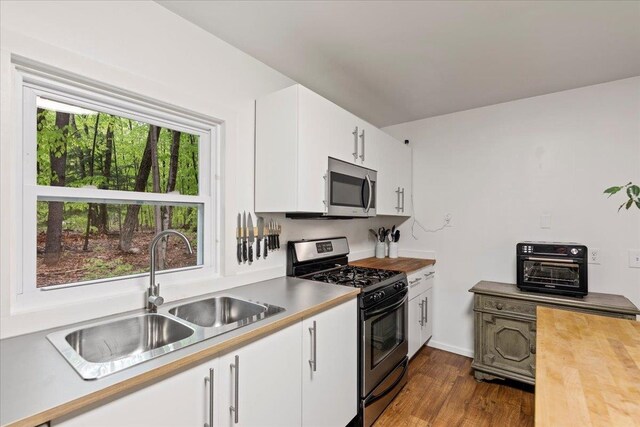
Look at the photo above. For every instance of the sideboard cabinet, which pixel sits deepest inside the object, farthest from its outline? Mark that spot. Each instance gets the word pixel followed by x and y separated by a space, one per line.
pixel 505 326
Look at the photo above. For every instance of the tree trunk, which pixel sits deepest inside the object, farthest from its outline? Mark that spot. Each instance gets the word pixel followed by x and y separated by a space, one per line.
pixel 103 216
pixel 58 161
pixel 91 215
pixel 131 217
pixel 173 173
pixel 158 221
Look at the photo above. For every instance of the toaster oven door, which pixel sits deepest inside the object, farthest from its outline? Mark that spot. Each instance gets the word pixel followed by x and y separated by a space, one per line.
pixel 555 273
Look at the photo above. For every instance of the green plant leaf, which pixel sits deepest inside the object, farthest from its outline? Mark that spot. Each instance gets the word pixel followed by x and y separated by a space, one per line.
pixel 612 190
pixel 629 203
pixel 633 192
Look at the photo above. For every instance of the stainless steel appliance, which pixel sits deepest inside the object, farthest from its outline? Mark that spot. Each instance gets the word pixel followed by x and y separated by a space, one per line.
pixel 383 317
pixel 557 268
pixel 350 192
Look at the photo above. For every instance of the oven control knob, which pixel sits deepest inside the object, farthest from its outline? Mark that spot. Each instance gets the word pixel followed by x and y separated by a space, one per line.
pixel 398 286
pixel 574 251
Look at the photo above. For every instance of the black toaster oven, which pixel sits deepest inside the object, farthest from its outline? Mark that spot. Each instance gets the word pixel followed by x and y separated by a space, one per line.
pixel 556 268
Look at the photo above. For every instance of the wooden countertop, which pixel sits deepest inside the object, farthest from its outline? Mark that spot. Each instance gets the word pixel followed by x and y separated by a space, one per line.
pixel 406 265
pixel 588 370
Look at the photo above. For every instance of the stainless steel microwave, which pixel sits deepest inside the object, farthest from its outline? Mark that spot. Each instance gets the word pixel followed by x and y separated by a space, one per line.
pixel 351 190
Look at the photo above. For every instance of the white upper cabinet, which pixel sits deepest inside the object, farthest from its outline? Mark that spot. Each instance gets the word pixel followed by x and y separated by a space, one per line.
pixel 393 159
pixel 297 131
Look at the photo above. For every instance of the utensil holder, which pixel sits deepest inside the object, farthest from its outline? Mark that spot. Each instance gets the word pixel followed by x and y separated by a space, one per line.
pixel 393 249
pixel 380 247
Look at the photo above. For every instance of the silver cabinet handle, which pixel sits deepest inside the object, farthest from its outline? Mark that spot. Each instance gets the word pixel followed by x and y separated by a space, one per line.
pixel 355 143
pixel 429 274
pixel 313 362
pixel 421 304
pixel 236 390
pixel 209 380
pixel 402 208
pixel 415 281
pixel 398 200
pixel 362 137
pixel 426 310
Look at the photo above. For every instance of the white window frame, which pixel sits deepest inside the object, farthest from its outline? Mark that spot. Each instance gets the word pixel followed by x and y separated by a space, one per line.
pixel 31 84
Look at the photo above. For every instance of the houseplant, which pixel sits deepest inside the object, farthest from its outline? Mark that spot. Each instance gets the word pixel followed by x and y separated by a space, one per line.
pixel 633 193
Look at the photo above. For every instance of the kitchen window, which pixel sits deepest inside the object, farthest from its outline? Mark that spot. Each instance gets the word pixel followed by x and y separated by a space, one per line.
pixel 102 173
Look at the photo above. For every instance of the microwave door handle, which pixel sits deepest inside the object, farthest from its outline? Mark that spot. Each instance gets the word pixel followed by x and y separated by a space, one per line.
pixel 366 209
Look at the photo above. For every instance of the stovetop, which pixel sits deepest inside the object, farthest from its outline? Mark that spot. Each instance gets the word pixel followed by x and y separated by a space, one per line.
pixel 357 277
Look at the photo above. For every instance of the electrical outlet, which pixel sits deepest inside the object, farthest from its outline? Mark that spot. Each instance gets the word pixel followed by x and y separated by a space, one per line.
pixel 594 256
pixel 634 258
pixel 447 220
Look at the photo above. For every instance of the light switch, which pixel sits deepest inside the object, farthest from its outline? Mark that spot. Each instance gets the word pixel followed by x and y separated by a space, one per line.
pixel 545 220
pixel 634 258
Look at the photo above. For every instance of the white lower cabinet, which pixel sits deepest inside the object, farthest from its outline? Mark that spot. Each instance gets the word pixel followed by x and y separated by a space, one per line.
pixel 268 382
pixel 330 366
pixel 420 308
pixel 261 382
pixel 183 399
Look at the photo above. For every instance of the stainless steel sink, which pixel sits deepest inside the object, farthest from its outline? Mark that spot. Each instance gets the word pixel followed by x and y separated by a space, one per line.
pixel 220 311
pixel 104 348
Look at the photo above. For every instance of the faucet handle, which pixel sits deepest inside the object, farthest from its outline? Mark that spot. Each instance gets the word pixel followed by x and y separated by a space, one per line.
pixel 155 300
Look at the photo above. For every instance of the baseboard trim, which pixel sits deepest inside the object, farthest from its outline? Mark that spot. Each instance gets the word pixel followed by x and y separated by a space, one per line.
pixel 450 348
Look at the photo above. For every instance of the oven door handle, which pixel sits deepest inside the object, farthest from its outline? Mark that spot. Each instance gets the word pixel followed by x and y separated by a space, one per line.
pixel 566 261
pixel 368 207
pixel 389 308
pixel 375 397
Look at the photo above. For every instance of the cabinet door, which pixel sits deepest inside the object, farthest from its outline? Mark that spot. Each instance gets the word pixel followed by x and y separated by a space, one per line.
pixel 324 130
pixel 404 160
pixel 381 154
pixel 330 366
pixel 181 400
pixel 265 376
pixel 415 325
pixel 509 343
pixel 427 328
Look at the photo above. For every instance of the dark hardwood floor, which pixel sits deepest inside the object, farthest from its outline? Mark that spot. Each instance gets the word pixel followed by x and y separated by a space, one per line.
pixel 443 392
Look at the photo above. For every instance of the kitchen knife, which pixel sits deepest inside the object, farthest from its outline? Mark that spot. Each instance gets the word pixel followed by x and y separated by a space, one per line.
pixel 239 237
pixel 260 235
pixel 251 238
pixel 244 237
pixel 278 235
pixel 266 242
pixel 271 235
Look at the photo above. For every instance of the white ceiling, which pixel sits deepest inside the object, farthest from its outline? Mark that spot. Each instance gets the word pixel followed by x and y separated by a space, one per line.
pixel 395 61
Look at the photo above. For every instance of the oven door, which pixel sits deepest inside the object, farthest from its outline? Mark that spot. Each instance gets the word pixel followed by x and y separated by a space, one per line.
pixel 384 339
pixel 351 190
pixel 568 274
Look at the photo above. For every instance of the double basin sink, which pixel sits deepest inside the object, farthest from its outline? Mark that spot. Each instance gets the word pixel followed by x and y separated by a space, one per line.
pixel 107 347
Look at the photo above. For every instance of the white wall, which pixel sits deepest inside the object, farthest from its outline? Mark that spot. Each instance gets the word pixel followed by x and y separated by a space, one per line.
pixel 143 48
pixel 497 169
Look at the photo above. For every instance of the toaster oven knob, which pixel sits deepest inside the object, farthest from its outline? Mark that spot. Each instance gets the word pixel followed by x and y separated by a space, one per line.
pixel 574 251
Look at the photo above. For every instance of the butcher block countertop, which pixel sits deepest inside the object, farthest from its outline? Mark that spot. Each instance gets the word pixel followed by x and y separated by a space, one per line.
pixel 406 265
pixel 588 370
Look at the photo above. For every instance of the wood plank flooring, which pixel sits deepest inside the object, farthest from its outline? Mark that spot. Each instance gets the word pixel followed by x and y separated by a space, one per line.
pixel 442 392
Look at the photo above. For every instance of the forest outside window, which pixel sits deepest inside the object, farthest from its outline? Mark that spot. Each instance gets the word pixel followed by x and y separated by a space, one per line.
pixel 100 182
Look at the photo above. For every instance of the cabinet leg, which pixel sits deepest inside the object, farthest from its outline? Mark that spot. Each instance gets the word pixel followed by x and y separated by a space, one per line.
pixel 483 376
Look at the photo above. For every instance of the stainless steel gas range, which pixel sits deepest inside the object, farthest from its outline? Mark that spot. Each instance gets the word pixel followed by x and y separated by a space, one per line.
pixel 383 317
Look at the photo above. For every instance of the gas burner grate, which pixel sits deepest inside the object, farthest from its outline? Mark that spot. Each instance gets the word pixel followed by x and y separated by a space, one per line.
pixel 359 277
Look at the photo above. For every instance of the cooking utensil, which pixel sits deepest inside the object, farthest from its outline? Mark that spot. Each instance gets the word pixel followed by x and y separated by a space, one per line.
pixel 374 234
pixel 251 238
pixel 239 238
pixel 278 229
pixel 271 234
pixel 260 236
pixel 244 237
pixel 382 233
pixel 397 236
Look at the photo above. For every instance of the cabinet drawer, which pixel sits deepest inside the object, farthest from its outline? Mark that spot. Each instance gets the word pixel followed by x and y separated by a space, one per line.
pixel 420 281
pixel 504 305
